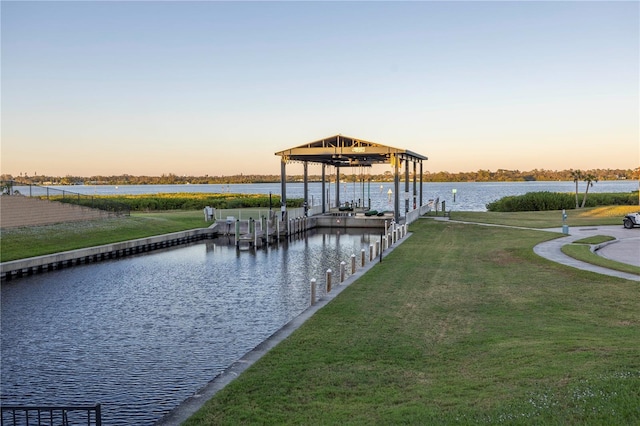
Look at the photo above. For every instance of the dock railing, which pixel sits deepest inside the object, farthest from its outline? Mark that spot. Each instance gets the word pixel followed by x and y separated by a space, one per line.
pixel 15 415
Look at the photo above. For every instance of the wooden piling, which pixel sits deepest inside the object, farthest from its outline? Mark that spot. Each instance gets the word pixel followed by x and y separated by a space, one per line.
pixel 313 291
pixel 353 264
pixel 328 280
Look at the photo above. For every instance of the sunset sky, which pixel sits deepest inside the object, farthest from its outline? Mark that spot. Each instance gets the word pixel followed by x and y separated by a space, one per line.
pixel 195 88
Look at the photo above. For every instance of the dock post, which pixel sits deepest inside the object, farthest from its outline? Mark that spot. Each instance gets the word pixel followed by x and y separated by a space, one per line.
pixel 343 266
pixel 237 233
pixel 328 280
pixel 313 291
pixel 353 264
pixel 371 252
pixel 362 257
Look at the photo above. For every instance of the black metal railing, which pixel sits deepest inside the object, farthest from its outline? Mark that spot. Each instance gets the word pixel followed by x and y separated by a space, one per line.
pixel 14 415
pixel 64 196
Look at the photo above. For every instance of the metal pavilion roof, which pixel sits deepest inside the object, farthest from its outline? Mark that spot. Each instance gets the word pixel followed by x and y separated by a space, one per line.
pixel 345 151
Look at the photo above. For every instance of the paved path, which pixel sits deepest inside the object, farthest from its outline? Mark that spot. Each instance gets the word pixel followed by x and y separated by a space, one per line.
pixel 625 248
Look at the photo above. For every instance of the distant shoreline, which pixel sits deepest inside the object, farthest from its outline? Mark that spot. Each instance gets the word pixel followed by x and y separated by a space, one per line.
pixel 357 175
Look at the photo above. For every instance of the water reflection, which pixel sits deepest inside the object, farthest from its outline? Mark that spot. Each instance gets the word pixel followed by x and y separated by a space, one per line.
pixel 141 334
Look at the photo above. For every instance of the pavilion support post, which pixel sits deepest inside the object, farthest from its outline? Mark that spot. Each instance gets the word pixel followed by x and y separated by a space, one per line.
pixel 337 186
pixel 283 186
pixel 406 186
pixel 396 188
pixel 415 188
pixel 420 183
pixel 324 201
pixel 305 179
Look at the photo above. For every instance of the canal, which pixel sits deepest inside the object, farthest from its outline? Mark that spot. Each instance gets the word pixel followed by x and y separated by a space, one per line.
pixel 141 334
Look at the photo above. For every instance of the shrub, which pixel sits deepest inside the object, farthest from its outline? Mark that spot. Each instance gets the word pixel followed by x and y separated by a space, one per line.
pixel 185 201
pixel 533 201
pixel 545 200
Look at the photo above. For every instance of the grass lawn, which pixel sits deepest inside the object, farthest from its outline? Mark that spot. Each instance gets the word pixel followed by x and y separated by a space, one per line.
pixel 461 324
pixel 582 251
pixel 20 243
pixel 611 215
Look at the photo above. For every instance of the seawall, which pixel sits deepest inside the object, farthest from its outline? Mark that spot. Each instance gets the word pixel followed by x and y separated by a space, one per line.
pixel 32 265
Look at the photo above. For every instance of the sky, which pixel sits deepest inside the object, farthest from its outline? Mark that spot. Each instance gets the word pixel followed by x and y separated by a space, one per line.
pixel 216 88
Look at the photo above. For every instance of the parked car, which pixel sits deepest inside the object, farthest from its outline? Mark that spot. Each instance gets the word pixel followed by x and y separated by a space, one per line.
pixel 631 220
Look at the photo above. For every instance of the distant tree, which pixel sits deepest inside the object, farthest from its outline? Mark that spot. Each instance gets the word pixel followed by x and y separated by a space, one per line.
pixel 635 174
pixel 577 176
pixel 6 187
pixel 590 179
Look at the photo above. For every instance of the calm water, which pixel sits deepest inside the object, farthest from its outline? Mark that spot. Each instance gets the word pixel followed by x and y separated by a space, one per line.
pixel 141 334
pixel 470 196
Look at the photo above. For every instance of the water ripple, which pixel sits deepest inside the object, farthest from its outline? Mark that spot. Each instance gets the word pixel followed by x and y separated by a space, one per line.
pixel 141 334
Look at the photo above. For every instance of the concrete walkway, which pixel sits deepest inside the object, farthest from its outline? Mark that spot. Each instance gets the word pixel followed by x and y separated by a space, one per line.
pixel 625 248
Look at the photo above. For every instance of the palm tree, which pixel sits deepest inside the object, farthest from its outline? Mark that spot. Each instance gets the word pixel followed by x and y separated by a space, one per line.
pixel 590 179
pixel 577 176
pixel 635 174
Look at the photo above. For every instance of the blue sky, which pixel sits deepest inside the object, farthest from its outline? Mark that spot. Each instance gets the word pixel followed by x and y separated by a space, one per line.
pixel 217 88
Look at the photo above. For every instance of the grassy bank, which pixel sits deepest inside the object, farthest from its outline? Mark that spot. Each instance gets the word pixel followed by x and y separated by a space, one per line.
pixel 461 324
pixel 582 251
pixel 610 215
pixel 19 243
pixel 182 201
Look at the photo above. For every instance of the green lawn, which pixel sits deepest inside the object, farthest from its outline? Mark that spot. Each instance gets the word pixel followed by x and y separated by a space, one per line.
pixel 582 251
pixel 20 243
pixel 461 324
pixel 611 215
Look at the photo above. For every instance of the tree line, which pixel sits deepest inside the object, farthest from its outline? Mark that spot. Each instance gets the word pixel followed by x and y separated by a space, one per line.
pixel 500 175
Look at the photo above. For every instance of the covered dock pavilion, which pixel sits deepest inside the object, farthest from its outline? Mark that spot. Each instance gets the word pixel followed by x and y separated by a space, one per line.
pixel 344 151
